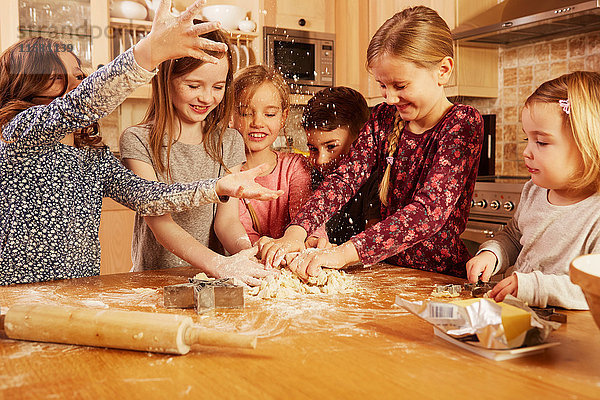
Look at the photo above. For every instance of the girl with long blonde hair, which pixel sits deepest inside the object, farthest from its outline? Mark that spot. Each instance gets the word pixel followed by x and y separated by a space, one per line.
pixel 426 148
pixel 185 137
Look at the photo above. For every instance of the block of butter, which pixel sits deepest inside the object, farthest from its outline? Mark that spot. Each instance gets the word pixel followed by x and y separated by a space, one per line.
pixel 515 322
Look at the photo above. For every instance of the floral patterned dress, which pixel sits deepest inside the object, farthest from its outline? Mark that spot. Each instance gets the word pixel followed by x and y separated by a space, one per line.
pixel 431 185
pixel 51 193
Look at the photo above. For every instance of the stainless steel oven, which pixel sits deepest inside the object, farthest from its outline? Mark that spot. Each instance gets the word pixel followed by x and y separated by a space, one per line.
pixel 304 58
pixel 495 199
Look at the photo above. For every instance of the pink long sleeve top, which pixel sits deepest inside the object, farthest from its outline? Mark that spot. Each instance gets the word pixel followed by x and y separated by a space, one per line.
pixel 431 186
pixel 292 175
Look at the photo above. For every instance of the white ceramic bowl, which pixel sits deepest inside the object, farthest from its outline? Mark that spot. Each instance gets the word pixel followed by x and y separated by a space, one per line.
pixel 229 16
pixel 128 9
pixel 247 25
pixel 585 271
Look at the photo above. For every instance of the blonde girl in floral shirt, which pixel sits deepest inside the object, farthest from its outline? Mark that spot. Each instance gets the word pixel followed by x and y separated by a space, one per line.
pixel 426 148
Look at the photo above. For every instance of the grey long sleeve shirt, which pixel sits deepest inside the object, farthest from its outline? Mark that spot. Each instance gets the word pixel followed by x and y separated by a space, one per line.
pixel 540 242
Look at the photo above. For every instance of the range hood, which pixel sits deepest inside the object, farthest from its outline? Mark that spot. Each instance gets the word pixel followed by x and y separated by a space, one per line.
pixel 514 22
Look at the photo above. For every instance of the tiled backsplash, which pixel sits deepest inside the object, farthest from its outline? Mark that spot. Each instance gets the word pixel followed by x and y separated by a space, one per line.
pixel 521 70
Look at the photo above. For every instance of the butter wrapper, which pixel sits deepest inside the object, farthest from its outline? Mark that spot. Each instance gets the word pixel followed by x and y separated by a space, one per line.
pixel 506 325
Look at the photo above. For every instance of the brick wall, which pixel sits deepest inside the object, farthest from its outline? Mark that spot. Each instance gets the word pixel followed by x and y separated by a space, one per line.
pixel 521 70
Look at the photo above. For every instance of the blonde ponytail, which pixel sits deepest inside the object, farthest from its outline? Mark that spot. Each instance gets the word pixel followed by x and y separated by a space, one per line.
pixel 393 139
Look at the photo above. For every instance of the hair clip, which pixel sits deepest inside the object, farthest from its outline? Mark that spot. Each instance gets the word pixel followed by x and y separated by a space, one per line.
pixel 389 160
pixel 566 106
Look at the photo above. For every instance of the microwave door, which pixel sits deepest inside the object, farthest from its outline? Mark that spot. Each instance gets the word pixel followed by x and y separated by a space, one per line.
pixel 296 59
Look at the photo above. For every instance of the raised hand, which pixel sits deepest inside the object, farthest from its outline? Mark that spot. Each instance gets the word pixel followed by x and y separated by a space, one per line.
pixel 242 185
pixel 176 36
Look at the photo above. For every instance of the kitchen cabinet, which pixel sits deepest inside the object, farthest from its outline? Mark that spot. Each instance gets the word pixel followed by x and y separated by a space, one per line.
pixel 82 23
pixel 116 232
pixel 310 15
pixel 476 69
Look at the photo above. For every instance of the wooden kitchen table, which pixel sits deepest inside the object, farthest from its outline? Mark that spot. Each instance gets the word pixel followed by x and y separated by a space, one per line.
pixel 355 346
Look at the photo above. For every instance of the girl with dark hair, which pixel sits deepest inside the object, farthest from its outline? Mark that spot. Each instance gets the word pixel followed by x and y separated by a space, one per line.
pixel 52 182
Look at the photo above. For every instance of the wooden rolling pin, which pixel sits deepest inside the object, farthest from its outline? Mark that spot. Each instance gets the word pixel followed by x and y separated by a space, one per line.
pixel 131 330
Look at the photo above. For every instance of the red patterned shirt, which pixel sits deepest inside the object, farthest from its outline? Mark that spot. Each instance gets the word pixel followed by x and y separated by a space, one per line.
pixel 431 185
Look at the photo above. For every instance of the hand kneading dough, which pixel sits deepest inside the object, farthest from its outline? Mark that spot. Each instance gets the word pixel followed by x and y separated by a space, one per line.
pixel 287 284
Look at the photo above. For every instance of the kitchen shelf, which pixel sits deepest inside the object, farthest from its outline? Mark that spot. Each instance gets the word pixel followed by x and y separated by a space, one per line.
pixel 143 24
pixel 130 23
pixel 242 35
pixel 53 33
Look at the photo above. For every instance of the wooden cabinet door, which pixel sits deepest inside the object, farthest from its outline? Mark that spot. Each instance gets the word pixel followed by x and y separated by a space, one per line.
pixel 9 23
pixel 116 232
pixel 356 23
pixel 476 69
pixel 318 15
pixel 101 34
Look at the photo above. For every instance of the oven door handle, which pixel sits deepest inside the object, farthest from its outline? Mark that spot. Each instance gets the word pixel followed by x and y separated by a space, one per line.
pixel 477 235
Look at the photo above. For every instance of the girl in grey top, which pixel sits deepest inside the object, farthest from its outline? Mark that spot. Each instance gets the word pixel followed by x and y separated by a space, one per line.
pixel 184 137
pixel 557 217
pixel 50 190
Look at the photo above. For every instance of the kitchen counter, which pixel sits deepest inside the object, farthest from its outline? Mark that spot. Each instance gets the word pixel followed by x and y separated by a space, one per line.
pixel 345 346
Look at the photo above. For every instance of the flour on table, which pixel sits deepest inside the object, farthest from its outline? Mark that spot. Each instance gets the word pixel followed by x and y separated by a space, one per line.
pixel 94 304
pixel 287 284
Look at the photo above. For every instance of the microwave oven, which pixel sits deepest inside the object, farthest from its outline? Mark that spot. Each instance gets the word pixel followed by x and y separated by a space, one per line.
pixel 304 58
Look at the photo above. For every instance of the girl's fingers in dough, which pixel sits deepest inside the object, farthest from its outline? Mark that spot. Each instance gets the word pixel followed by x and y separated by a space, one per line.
pixel 251 252
pixel 279 256
pixel 250 281
pixel 261 272
pixel 314 267
pixel 263 245
pixel 289 257
pixel 303 266
pixel 294 265
pixel 266 253
pixel 270 254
